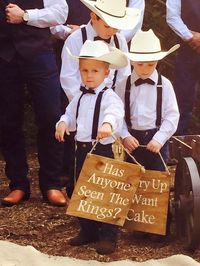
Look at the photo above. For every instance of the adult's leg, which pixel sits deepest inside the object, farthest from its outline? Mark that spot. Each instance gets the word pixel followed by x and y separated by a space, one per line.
pixel 186 78
pixel 11 124
pixel 43 81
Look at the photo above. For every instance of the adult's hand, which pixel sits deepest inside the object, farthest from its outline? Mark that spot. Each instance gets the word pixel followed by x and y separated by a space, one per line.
pixel 194 43
pixel 14 14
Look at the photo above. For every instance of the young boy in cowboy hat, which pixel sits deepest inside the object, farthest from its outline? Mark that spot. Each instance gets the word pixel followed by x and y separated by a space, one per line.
pixel 96 113
pixel 106 19
pixel 151 110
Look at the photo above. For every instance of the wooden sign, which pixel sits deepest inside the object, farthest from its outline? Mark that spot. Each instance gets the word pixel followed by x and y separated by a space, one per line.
pixel 104 190
pixel 148 212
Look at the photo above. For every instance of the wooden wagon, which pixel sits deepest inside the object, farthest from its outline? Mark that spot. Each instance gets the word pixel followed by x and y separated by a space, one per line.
pixel 186 196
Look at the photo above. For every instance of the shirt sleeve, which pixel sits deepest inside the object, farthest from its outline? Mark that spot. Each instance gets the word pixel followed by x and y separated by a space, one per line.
pixel 125 133
pixel 140 4
pixel 170 113
pixel 60 32
pixel 124 72
pixel 70 76
pixel 51 15
pixel 114 112
pixel 174 20
pixel 69 117
pixel 120 91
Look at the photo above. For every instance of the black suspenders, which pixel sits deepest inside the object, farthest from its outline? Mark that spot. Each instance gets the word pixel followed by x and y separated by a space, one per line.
pixel 84 38
pixel 127 103
pixel 116 71
pixel 96 112
pixel 84 34
pixel 158 102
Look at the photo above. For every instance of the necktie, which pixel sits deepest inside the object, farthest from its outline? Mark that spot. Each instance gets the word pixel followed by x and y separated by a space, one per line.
pixel 84 90
pixel 140 81
pixel 97 38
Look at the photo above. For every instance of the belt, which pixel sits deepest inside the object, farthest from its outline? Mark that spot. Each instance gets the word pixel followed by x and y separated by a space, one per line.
pixel 86 145
pixel 143 132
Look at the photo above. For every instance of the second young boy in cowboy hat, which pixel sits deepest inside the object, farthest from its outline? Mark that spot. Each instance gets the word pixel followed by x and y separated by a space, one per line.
pixel 96 112
pixel 151 111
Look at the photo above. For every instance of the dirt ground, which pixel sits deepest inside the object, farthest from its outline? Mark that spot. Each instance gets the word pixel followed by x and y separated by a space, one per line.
pixel 48 229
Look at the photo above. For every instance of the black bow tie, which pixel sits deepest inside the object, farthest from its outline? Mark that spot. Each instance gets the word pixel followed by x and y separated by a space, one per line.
pixel 139 81
pixel 97 38
pixel 84 90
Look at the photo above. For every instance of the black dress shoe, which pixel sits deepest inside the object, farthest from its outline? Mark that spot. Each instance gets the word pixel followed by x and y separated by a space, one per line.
pixel 15 197
pixel 105 247
pixel 83 239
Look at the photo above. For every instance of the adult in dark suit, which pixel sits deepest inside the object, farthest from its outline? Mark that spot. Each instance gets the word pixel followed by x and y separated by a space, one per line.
pixel 27 58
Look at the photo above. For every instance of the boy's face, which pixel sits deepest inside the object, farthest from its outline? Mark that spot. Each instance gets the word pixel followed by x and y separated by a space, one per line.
pixel 102 29
pixel 93 72
pixel 144 69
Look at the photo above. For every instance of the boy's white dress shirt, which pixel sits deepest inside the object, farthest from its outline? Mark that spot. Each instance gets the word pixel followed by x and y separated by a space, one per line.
pixel 63 31
pixel 143 99
pixel 174 20
pixel 111 111
pixel 70 75
pixel 140 4
pixel 53 13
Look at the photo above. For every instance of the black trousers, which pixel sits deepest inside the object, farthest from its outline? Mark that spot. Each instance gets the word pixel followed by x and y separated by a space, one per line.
pixel 88 227
pixel 150 160
pixel 40 74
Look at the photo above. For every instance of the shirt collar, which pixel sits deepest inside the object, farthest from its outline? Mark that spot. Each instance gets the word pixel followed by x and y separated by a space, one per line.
pixel 91 31
pixel 153 76
pixel 100 87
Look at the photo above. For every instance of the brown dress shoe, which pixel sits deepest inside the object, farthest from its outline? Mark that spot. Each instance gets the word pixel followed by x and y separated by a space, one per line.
pixel 83 239
pixel 56 197
pixel 14 197
pixel 105 247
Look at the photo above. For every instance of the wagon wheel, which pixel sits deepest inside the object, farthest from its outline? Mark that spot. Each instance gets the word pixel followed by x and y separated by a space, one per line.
pixel 187 202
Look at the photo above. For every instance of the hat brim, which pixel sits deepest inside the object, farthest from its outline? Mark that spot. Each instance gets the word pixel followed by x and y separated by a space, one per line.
pixel 115 58
pixel 137 57
pixel 129 21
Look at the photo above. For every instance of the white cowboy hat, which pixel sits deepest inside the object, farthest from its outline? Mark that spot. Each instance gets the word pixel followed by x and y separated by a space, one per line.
pixel 99 50
pixel 115 13
pixel 145 46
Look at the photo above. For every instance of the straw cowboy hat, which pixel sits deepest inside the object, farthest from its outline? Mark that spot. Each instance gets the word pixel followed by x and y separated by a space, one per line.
pixel 114 13
pixel 99 50
pixel 145 46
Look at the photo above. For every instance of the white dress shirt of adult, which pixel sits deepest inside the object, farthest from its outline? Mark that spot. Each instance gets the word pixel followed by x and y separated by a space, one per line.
pixel 70 75
pixel 53 13
pixel 111 111
pixel 140 4
pixel 143 107
pixel 174 20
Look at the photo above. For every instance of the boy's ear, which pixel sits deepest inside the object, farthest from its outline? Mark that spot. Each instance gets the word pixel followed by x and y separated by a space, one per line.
pixel 93 16
pixel 107 72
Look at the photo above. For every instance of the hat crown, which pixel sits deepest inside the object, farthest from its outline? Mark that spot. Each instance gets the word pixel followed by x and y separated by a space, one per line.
pixel 116 9
pixel 94 49
pixel 145 42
